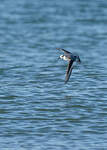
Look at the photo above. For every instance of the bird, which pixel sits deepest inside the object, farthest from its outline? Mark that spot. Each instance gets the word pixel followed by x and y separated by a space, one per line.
pixel 71 58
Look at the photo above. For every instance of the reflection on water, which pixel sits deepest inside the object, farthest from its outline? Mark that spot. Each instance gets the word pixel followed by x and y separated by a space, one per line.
pixel 37 110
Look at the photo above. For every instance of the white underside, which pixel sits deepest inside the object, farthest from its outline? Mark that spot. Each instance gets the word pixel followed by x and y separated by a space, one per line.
pixel 65 58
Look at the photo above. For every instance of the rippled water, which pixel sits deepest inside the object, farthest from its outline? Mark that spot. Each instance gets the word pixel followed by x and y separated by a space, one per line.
pixel 37 110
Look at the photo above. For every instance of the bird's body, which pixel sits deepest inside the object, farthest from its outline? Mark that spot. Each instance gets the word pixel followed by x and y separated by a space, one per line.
pixel 64 57
pixel 70 57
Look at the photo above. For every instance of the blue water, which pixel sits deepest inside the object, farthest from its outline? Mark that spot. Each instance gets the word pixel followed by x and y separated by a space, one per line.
pixel 37 110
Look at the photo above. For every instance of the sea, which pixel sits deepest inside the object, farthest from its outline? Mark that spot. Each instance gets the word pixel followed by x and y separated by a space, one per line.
pixel 38 111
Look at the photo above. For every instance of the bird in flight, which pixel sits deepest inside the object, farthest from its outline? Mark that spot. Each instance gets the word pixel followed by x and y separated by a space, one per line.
pixel 70 57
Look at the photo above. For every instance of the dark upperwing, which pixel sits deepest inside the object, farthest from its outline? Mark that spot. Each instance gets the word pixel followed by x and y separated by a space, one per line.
pixel 66 53
pixel 63 50
pixel 69 71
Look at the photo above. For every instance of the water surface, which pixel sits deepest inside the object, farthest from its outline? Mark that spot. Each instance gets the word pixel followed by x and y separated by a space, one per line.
pixel 37 110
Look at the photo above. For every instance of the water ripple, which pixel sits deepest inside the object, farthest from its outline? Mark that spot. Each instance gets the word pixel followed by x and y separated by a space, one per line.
pixel 37 110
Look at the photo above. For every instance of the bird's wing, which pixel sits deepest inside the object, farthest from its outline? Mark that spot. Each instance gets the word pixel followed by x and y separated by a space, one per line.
pixel 69 71
pixel 65 51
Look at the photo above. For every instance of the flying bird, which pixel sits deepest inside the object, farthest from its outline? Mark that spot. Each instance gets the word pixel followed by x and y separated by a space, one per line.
pixel 70 57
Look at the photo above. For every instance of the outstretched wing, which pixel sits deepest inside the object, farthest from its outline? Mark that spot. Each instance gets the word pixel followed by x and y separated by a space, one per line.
pixel 69 71
pixel 65 51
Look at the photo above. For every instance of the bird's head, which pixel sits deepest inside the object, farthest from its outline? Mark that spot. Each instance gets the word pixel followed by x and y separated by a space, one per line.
pixel 77 58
